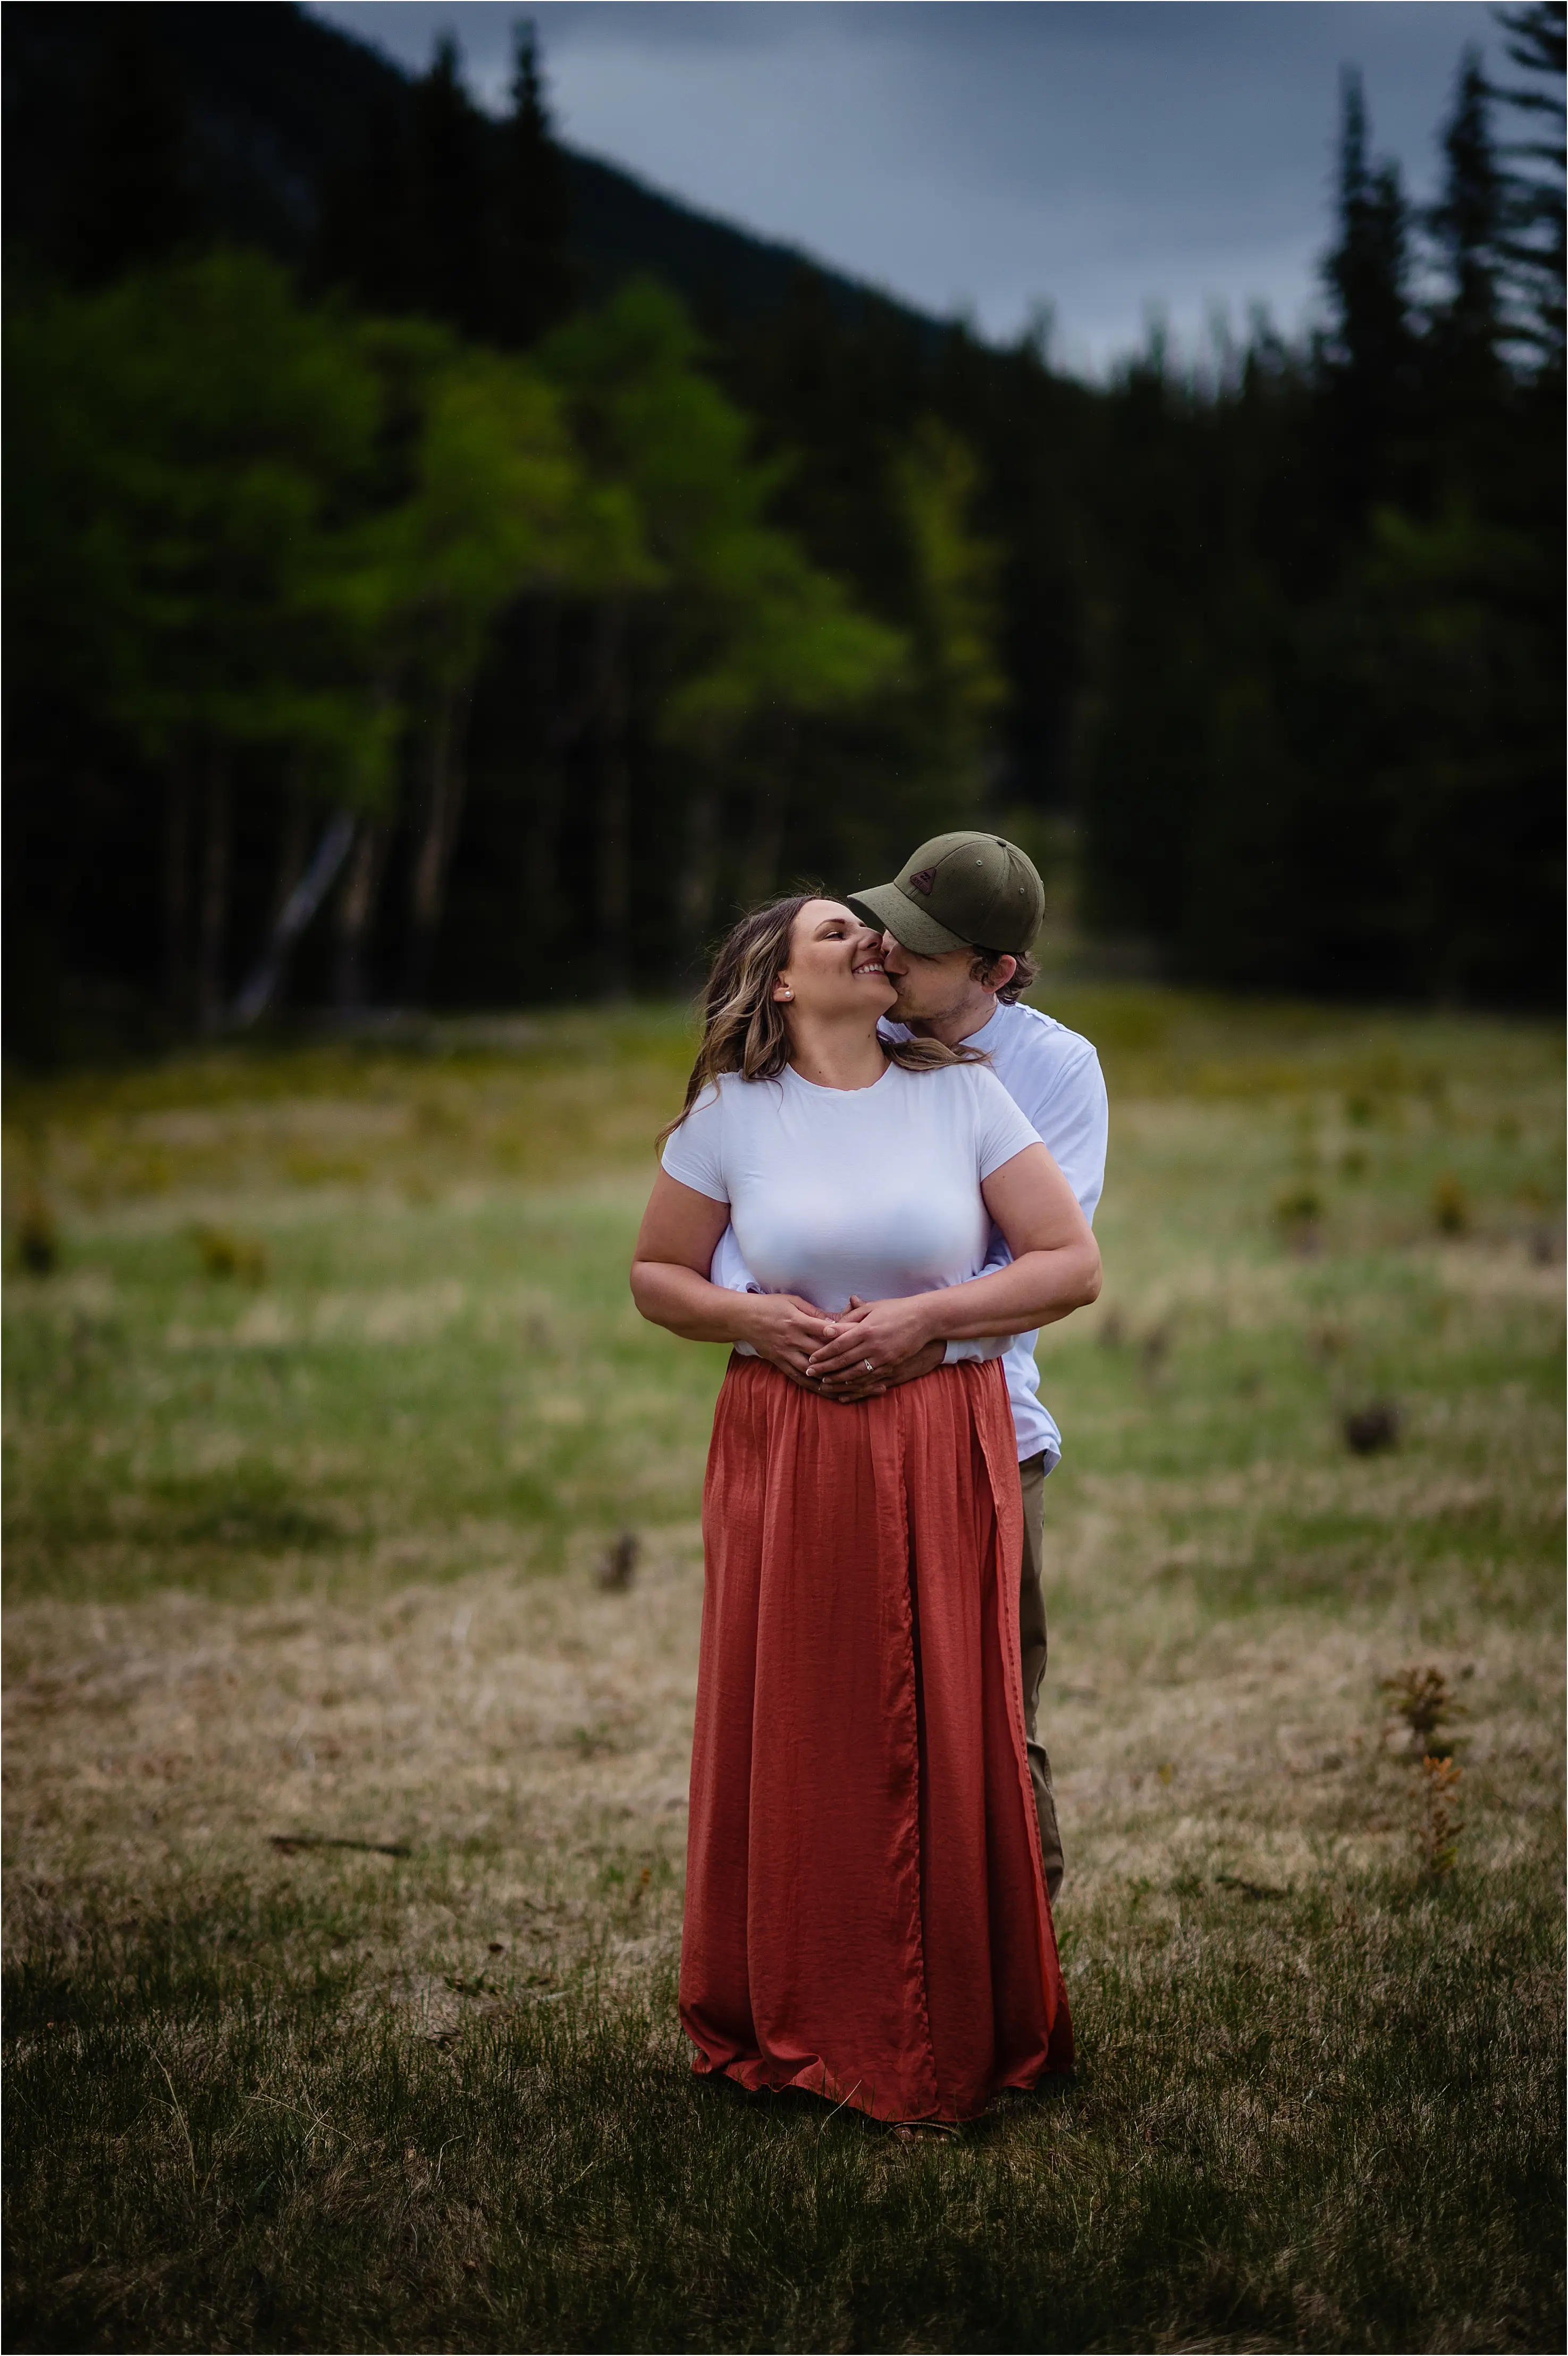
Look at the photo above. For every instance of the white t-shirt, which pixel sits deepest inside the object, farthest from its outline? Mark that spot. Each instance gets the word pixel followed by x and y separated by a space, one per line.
pixel 1053 1076
pixel 867 1191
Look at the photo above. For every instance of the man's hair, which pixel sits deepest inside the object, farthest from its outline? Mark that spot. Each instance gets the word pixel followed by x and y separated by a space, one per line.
pixel 1027 974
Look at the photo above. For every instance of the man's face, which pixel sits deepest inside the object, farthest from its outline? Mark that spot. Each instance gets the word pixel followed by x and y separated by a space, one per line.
pixel 930 989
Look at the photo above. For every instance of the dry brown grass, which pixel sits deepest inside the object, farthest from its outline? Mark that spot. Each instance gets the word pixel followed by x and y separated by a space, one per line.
pixel 306 1542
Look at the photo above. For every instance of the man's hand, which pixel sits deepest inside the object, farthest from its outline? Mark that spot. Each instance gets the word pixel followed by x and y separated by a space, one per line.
pixel 871 1337
pixel 787 1332
pixel 858 1384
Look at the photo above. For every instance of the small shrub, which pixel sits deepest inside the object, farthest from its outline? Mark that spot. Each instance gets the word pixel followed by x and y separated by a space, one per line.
pixel 1451 1213
pixel 228 1257
pixel 1371 1429
pixel 1424 1698
pixel 38 1237
pixel 1440 1826
pixel 1299 1214
pixel 618 1567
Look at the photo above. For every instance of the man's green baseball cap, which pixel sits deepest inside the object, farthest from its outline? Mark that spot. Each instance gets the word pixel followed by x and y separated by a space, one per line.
pixel 959 891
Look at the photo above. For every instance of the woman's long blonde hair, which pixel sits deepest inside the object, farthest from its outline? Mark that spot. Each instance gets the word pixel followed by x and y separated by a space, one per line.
pixel 743 1027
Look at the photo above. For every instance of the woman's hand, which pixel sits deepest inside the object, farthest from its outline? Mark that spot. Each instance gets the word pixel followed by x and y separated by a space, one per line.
pixel 670 1285
pixel 1055 1269
pixel 871 1336
pixel 857 1385
pixel 784 1329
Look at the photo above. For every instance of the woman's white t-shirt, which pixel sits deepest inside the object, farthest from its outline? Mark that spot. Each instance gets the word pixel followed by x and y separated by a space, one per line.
pixel 871 1191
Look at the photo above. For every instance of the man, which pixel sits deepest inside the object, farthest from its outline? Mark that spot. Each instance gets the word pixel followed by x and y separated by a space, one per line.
pixel 958 923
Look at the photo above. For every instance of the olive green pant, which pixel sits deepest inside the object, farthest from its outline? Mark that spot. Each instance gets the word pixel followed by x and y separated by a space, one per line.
pixel 1032 1645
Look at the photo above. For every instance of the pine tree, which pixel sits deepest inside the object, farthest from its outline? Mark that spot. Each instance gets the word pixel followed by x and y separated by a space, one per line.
pixel 452 274
pixel 1534 248
pixel 133 201
pixel 367 236
pixel 1468 223
pixel 1371 346
pixel 536 281
pixel 1466 382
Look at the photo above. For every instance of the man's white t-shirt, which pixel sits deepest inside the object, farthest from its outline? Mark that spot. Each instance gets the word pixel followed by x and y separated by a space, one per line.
pixel 1053 1076
pixel 871 1191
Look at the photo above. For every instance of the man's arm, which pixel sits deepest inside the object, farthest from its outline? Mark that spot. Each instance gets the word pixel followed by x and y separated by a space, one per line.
pixel 1055 1268
pixel 1072 1117
pixel 1069 1110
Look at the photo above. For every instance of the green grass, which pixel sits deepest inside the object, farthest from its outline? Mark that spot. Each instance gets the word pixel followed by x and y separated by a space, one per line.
pixel 315 1433
pixel 1275 2139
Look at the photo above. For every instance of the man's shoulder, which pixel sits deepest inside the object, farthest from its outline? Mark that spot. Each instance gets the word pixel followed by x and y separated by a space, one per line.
pixel 1026 1031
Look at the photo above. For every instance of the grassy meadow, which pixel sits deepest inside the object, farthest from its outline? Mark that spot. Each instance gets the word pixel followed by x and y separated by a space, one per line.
pixel 345 1799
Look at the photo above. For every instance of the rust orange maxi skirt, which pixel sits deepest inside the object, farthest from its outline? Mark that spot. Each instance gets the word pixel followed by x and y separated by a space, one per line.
pixel 866 1916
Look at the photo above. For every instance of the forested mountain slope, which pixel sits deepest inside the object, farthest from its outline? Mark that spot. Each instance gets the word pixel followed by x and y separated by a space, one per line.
pixel 437 544
pixel 277 98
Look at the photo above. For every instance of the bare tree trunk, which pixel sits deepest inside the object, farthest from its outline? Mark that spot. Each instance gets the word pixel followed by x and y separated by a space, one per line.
pixel 770 811
pixel 546 783
pixel 216 859
pixel 177 887
pixel 265 981
pixel 611 893
pixel 445 785
pixel 355 912
pixel 700 866
pixel 294 847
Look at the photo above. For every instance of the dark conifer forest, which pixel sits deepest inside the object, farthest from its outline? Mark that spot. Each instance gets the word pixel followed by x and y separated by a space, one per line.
pixel 442 573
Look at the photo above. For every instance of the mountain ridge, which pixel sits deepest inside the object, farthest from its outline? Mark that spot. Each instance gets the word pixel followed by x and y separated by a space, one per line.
pixel 276 94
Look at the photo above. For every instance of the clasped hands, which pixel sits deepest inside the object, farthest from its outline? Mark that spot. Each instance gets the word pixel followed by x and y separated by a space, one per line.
pixel 829 1354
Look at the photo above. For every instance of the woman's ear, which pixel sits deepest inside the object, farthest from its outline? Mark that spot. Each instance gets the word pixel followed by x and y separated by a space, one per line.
pixel 783 993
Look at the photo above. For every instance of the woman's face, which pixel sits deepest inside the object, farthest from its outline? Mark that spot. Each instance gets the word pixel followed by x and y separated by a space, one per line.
pixel 835 965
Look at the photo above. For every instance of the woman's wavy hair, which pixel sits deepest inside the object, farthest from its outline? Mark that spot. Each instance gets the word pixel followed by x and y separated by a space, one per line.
pixel 743 1027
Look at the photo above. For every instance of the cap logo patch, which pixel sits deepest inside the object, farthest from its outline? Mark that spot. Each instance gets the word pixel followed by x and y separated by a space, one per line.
pixel 925 882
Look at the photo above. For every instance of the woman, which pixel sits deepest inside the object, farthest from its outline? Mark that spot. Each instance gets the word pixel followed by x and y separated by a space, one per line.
pixel 865 1911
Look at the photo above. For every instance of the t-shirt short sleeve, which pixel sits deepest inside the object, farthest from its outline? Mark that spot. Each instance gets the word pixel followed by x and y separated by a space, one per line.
pixel 1000 1129
pixel 694 1154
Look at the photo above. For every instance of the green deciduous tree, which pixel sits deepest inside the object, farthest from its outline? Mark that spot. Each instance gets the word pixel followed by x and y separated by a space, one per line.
pixel 195 443
pixel 955 577
pixel 738 635
pixel 493 512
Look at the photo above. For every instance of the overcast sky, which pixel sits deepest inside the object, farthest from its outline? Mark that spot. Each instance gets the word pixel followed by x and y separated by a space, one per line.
pixel 1109 159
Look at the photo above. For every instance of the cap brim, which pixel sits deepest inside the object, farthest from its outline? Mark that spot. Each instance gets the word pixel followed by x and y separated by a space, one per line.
pixel 909 924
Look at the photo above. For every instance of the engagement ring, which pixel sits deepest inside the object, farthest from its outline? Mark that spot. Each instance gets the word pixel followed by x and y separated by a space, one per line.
pixel 869 1368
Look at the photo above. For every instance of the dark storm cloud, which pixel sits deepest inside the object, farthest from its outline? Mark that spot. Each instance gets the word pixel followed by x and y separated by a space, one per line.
pixel 1109 160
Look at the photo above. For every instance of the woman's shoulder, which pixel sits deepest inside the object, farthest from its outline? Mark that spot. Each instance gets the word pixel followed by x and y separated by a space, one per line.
pixel 980 1104
pixel 727 1093
pixel 976 1081
pixel 969 1094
